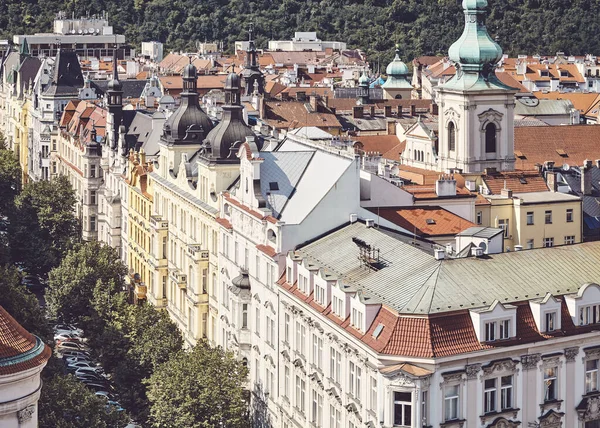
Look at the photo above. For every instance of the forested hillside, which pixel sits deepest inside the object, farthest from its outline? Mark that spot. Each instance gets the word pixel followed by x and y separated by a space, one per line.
pixel 418 26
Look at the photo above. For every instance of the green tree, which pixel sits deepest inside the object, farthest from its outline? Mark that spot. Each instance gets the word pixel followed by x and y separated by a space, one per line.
pixel 134 341
pixel 10 179
pixel 72 284
pixel 43 226
pixel 66 403
pixel 22 305
pixel 201 388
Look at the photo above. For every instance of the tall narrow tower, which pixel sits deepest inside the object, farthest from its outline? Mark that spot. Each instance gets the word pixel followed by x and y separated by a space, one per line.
pixel 476 124
pixel 252 76
pixel 114 96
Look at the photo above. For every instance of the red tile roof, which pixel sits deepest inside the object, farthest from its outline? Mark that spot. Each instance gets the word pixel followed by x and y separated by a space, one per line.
pixel 269 251
pixel 293 114
pixel 377 143
pixel 426 221
pixel 16 341
pixel 538 144
pixel 518 182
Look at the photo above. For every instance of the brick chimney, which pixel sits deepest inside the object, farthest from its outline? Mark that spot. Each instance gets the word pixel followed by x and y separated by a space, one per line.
pixel 314 104
pixel 357 112
pixel 433 109
pixel 391 127
pixel 388 111
pixel 413 110
pixel 586 177
pixel 506 193
pixel 551 180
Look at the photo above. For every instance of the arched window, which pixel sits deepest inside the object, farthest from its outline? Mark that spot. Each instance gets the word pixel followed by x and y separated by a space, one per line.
pixel 398 97
pixel 490 138
pixel 451 137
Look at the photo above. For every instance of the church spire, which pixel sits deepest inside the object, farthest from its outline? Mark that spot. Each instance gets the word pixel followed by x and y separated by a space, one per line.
pixel 252 73
pixel 114 95
pixel 475 51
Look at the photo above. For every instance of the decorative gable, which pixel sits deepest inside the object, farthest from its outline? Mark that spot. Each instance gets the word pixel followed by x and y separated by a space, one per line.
pixel 546 313
pixel 584 306
pixel 496 322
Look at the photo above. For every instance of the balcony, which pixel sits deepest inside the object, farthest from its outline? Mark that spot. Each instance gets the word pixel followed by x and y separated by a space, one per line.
pixel 197 254
pixel 140 291
pixel 179 278
pixel 158 223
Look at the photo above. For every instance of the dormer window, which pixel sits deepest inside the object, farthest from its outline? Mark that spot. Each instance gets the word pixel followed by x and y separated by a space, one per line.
pixel 290 278
pixel 338 306
pixel 303 284
pixel 544 73
pixel 320 294
pixel 589 314
pixel 494 323
pixel 550 320
pixel 497 330
pixel 357 319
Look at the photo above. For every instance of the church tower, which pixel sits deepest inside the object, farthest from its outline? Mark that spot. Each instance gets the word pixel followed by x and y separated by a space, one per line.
pixel 218 165
pixel 114 96
pixel 252 76
pixel 186 128
pixel 476 123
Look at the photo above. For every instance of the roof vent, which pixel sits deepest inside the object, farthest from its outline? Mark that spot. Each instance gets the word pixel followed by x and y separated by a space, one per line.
pixel 353 218
pixel 430 221
pixel 370 222
pixel 518 247
pixel 477 251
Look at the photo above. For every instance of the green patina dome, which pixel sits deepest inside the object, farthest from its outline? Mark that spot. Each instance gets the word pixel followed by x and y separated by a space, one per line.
pixel 363 80
pixel 397 67
pixel 475 49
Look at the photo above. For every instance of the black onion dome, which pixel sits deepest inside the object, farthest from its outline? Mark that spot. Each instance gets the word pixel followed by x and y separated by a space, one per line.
pixel 189 123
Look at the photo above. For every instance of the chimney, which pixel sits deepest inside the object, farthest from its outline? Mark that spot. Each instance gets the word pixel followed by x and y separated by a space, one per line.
pixel 413 110
pixel 353 218
pixel 326 100
pixel 372 110
pixel 357 112
pixel 551 180
pixel 369 222
pixel 549 165
pixel 439 254
pixel 142 157
pixel 586 177
pixel 313 103
pixel 391 127
pixel 506 193
pixel 388 111
pixel 433 109
pixel 445 186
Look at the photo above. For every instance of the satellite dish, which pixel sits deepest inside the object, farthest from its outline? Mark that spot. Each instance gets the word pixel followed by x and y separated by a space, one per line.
pixel 566 167
pixel 80 32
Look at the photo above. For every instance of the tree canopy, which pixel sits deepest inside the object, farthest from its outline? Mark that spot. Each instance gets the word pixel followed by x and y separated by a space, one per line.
pixel 201 388
pixel 66 403
pixel 43 226
pixel 72 284
pixel 420 27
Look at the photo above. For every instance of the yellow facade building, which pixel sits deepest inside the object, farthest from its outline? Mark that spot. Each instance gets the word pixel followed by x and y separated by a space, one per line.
pixel 534 219
pixel 138 225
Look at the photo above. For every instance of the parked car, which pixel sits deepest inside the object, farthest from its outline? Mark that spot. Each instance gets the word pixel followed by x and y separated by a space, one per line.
pixel 73 367
pixel 78 359
pixel 74 346
pixel 96 386
pixel 114 405
pixel 69 337
pixel 69 328
pixel 93 378
pixel 94 370
pixel 68 353
pixel 33 283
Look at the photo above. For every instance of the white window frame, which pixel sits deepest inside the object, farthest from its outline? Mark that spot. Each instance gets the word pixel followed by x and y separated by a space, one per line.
pixel 451 402
pixel 550 380
pixel 591 375
pixel 406 409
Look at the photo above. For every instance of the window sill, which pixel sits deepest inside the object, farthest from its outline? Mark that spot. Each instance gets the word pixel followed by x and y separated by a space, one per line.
pixel 507 413
pixel 454 423
pixel 551 404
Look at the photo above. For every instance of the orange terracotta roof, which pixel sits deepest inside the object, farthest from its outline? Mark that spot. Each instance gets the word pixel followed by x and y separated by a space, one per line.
pixel 539 144
pixel 418 176
pixel 426 60
pixel 427 221
pixel 313 90
pixel 518 182
pixel 377 143
pixel 204 82
pixel 269 251
pixel 293 114
pixel 428 192
pixel 581 101
pixel 509 80
pixel 348 104
pixel 395 152
pixel 15 341
pixel 274 88
pixel 224 222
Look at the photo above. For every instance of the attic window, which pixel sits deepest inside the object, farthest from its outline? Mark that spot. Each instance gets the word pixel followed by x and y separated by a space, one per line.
pixel 564 73
pixel 273 185
pixel 378 331
pixel 562 153
pixel 430 221
pixel 523 180
pixel 544 73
